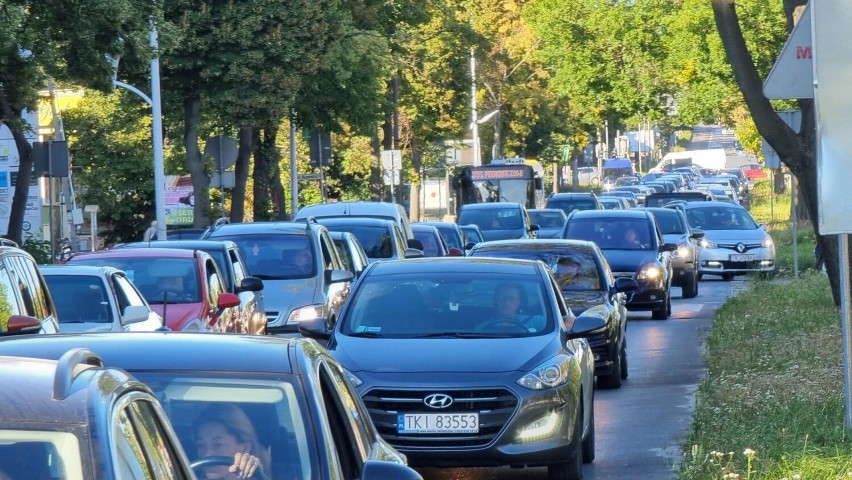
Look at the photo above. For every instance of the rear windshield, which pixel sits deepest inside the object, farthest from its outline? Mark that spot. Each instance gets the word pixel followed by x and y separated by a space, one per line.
pixel 377 241
pixel 172 280
pixel 669 223
pixel 612 234
pixel 573 269
pixel 569 206
pixel 547 219
pixel 493 218
pixel 276 256
pixel 79 298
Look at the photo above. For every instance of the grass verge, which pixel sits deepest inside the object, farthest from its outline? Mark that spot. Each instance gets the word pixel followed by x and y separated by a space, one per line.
pixel 771 406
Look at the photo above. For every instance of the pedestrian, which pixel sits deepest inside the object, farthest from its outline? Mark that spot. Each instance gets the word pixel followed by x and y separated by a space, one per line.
pixel 151 233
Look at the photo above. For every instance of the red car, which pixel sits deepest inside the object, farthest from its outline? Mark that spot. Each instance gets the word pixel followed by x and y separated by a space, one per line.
pixel 184 286
pixel 753 171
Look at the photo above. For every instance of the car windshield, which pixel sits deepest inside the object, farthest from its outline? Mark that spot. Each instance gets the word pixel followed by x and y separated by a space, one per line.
pixel 720 218
pixel 376 240
pixel 441 304
pixel 573 269
pixel 430 241
pixel 471 234
pixel 276 256
pixel 172 280
pixel 569 206
pixel 493 218
pixel 612 233
pixel 272 408
pixel 40 454
pixel 548 219
pixel 670 223
pixel 79 298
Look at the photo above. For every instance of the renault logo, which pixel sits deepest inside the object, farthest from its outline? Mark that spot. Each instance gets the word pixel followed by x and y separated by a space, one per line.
pixel 438 400
pixel 741 248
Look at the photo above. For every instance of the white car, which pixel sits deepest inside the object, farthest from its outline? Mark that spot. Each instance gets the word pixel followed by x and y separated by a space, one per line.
pixel 89 298
pixel 733 243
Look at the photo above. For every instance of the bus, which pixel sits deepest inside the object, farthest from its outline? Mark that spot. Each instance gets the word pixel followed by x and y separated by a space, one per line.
pixel 503 180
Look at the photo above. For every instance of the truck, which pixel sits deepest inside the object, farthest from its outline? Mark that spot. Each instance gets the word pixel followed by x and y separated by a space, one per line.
pixel 714 158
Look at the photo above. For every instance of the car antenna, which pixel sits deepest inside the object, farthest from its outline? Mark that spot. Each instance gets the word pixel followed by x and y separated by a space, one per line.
pixel 164 327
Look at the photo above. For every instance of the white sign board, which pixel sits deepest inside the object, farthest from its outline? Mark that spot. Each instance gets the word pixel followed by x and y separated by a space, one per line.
pixel 832 71
pixel 390 177
pixel 391 159
pixel 792 76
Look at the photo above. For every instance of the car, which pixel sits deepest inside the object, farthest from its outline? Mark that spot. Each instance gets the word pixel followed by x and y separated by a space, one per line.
pixel 382 239
pixel 634 248
pixel 753 171
pixel 452 234
pixel 383 210
pixel 472 235
pixel 675 229
pixel 302 272
pixel 183 286
pixel 568 202
pixel 630 197
pixel 350 251
pixel 549 220
pixel 733 243
pixel 661 199
pixel 498 220
pixel 453 396
pixel 612 203
pixel 236 277
pixel 639 191
pixel 89 298
pixel 25 303
pixel 294 406
pixel 587 176
pixel 74 417
pixel 185 233
pixel 588 287
pixel 434 244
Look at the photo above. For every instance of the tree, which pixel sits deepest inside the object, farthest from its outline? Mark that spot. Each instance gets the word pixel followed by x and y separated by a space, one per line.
pixel 67 40
pixel 795 150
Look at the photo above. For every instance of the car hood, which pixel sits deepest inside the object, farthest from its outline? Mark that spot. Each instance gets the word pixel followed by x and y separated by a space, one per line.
pixel 449 355
pixel 511 234
pixel 628 260
pixel 549 233
pixel 734 236
pixel 286 295
pixel 580 301
pixel 178 315
pixel 676 238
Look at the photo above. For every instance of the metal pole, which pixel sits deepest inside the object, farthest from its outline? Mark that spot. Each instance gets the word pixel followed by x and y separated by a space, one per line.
pixel 795 218
pixel 393 176
pixel 474 125
pixel 771 196
pixel 321 172
pixel 222 173
pixel 294 170
pixel 845 324
pixel 606 134
pixel 157 126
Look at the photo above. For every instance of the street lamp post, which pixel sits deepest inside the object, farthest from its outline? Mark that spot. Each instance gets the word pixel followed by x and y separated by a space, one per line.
pixel 157 133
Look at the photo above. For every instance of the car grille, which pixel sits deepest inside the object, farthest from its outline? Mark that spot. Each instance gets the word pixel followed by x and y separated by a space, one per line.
pixel 495 408
pixel 271 316
pixel 623 274
pixel 753 265
pixel 733 246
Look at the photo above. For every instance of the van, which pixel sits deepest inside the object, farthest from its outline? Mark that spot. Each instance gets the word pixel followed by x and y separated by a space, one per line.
pixel 383 210
pixel 714 158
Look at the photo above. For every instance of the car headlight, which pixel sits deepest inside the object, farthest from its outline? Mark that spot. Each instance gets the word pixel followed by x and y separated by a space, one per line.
pixel 707 243
pixel 352 378
pixel 681 252
pixel 650 271
pixel 767 242
pixel 307 312
pixel 552 373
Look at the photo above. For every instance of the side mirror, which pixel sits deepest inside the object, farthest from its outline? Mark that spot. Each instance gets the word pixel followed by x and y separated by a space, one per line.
pixel 668 247
pixel 697 234
pixel 23 324
pixel 469 245
pixel 315 328
pixel 251 284
pixel 336 276
pixel 377 470
pixel 586 324
pixel 134 314
pixel 414 243
pixel 626 285
pixel 413 253
pixel 227 300
pixel 534 227
pixel 455 252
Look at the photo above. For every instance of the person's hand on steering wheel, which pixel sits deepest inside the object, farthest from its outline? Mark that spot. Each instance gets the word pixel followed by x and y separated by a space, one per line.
pixel 508 325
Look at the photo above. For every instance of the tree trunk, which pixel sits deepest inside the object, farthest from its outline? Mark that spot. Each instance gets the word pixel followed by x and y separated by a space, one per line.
pixel 15 231
pixel 376 169
pixel 276 189
pixel 259 175
pixel 195 163
pixel 414 192
pixel 241 171
pixel 796 151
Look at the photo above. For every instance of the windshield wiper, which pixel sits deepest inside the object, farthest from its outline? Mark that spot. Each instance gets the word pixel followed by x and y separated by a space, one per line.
pixel 365 334
pixel 463 335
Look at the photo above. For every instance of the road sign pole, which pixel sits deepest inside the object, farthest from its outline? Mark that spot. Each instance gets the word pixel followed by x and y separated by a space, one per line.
pixel 392 175
pixel 221 174
pixel 845 323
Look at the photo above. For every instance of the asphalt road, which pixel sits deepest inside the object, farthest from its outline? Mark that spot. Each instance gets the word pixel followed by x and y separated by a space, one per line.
pixel 640 427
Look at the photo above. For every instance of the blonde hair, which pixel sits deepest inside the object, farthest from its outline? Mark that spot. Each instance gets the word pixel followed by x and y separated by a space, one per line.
pixel 235 421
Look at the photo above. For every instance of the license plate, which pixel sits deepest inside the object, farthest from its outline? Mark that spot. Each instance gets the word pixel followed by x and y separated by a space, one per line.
pixel 739 257
pixel 437 423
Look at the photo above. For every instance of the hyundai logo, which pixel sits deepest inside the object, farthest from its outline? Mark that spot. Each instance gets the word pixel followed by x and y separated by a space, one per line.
pixel 741 248
pixel 438 400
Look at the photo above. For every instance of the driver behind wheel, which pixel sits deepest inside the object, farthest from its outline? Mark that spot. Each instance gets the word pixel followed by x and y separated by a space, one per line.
pixel 225 430
pixel 508 302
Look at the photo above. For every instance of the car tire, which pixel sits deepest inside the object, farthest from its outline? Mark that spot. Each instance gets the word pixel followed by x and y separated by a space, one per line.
pixel 690 288
pixel 727 277
pixel 613 380
pixel 573 468
pixel 624 371
pixel 664 311
pixel 700 276
pixel 589 442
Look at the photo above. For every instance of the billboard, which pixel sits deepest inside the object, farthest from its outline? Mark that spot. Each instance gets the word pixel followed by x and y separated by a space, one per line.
pixel 9 162
pixel 180 200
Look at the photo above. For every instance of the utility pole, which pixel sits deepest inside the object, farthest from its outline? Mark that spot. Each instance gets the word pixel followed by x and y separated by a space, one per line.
pixel 474 124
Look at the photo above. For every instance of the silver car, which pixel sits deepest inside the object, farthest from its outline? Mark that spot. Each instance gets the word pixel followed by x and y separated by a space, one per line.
pixel 733 243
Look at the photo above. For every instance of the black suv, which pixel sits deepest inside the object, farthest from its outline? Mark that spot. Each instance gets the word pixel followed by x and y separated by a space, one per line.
pixel 568 202
pixel 74 418
pixel 634 248
pixel 303 275
pixel 25 303
pixel 235 275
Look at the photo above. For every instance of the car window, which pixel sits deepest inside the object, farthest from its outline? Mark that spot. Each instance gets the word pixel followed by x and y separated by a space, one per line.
pixel 547 219
pixel 573 269
pixel 329 257
pixel 163 459
pixel 222 260
pixel 569 206
pixel 237 265
pixel 20 279
pixel 215 286
pixel 357 419
pixel 273 256
pixel 80 298
pixel 27 454
pixel 339 426
pixel 155 277
pixel 612 234
pixel 30 283
pixel 128 456
pixel 493 218
pixel 8 298
pixel 377 241
pixel 399 238
pixel 669 223
pixel 126 293
pixel 344 254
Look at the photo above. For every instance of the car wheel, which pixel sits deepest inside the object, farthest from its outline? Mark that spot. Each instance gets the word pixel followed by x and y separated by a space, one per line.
pixel 664 311
pixel 573 468
pixel 690 288
pixel 624 360
pixel 589 441
pixel 700 276
pixel 613 380
pixel 727 277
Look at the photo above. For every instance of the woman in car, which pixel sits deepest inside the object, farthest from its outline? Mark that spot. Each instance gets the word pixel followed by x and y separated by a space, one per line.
pixel 224 429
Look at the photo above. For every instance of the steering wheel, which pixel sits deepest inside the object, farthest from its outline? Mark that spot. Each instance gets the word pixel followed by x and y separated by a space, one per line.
pixel 223 460
pixel 505 324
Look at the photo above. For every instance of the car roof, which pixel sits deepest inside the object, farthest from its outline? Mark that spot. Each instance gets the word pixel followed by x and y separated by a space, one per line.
pixel 286 228
pixel 189 244
pixel 572 195
pixel 137 252
pixel 490 206
pixel 70 269
pixel 422 227
pixel 712 204
pixel 537 244
pixel 349 208
pixel 454 265
pixel 614 214
pixel 546 210
pixel 155 351
pixel 359 221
